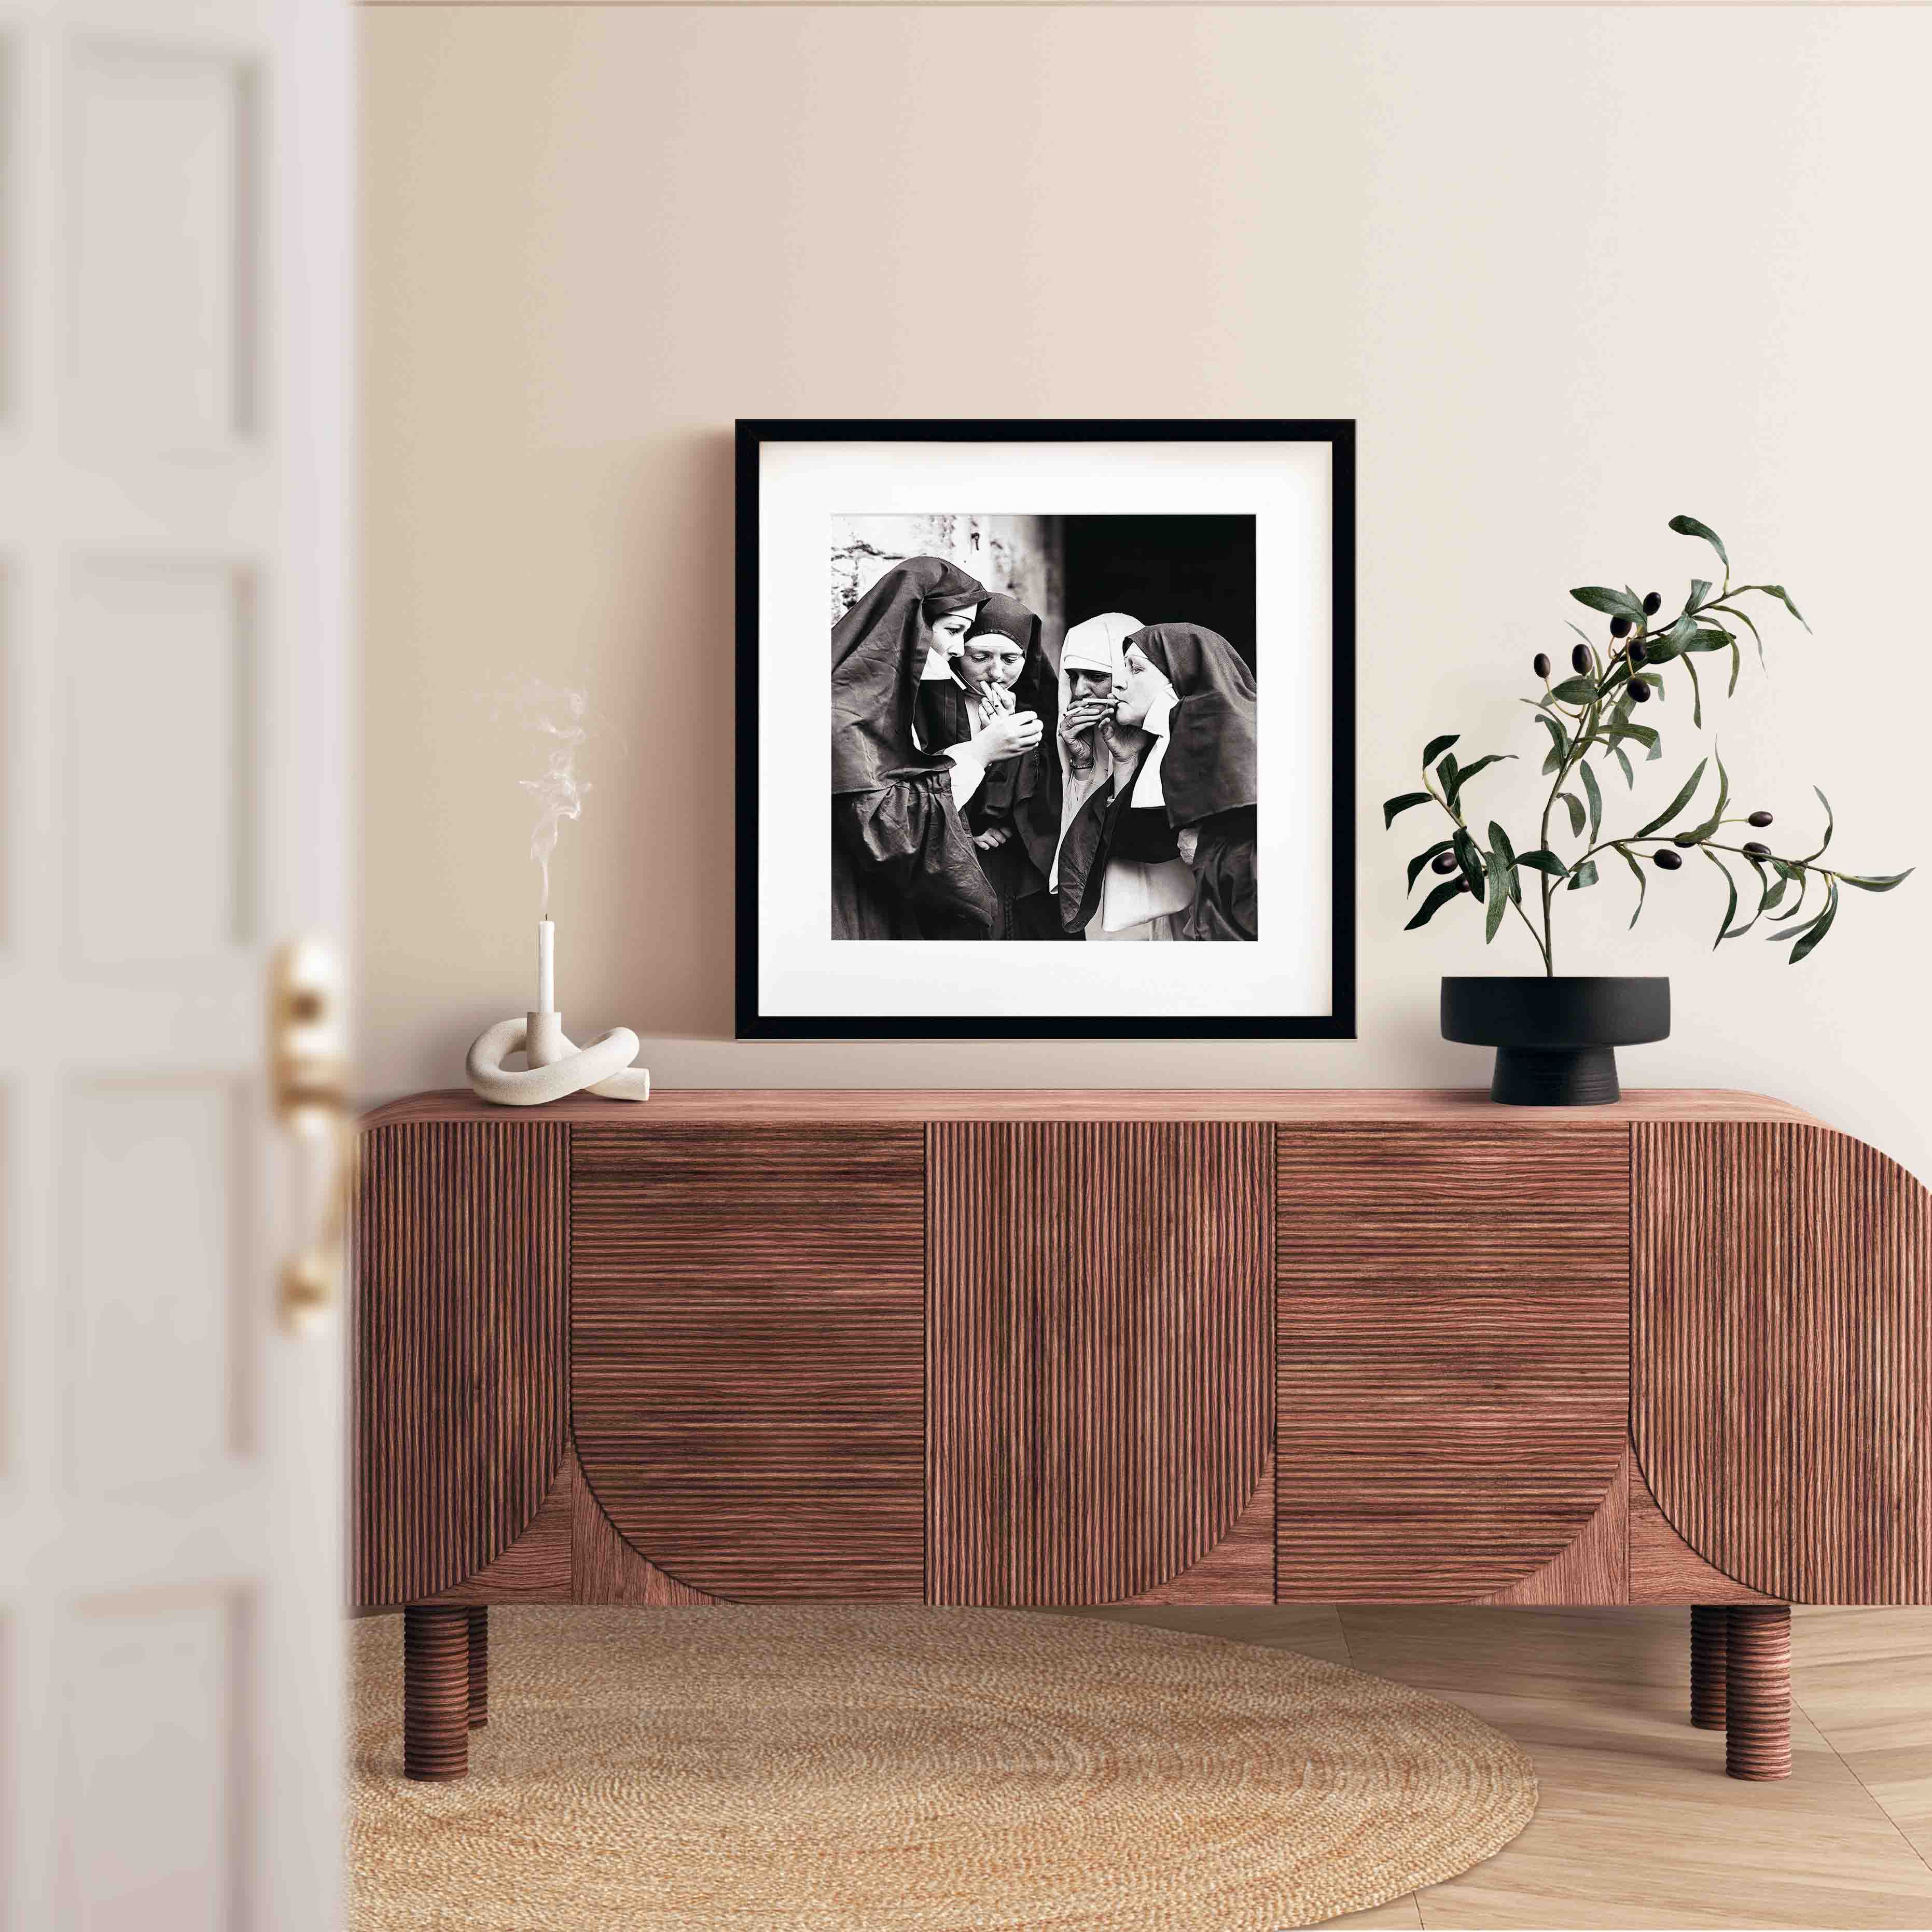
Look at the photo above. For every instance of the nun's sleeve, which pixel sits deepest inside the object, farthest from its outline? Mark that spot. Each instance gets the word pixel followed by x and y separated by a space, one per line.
pixel 908 837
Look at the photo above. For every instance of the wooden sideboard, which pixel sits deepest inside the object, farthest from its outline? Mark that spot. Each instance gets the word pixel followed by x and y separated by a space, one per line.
pixel 1080 1348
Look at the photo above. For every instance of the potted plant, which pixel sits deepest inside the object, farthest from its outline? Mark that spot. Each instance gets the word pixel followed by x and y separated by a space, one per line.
pixel 1555 1035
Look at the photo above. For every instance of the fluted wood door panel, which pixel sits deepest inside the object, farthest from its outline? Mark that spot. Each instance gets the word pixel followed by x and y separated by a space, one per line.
pixel 748 1351
pixel 1101 1344
pixel 1453 1379
pixel 1782 1366
pixel 461 1237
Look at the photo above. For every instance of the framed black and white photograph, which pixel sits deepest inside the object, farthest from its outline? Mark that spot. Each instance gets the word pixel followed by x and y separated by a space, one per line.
pixel 1090 698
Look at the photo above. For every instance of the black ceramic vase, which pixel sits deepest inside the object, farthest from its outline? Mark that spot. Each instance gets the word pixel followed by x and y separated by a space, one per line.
pixel 1555 1038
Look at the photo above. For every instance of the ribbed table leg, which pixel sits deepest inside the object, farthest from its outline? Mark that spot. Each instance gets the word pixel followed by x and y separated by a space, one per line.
pixel 436 1691
pixel 1757 1735
pixel 479 1665
pixel 1710 1638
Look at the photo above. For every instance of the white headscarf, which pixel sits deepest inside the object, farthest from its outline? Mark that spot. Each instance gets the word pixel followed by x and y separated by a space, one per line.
pixel 1099 644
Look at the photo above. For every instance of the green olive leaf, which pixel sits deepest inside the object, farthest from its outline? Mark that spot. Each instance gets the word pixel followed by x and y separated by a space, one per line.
pixel 1500 845
pixel 1575 691
pixel 1689 527
pixel 1829 824
pixel 1576 806
pixel 1877 882
pixel 1596 799
pixel 1584 875
pixel 1808 941
pixel 1677 804
pixel 1783 596
pixel 1615 603
pixel 1422 859
pixel 1436 747
pixel 1450 889
pixel 1539 860
pixel 1630 860
pixel 1394 807
pixel 1498 897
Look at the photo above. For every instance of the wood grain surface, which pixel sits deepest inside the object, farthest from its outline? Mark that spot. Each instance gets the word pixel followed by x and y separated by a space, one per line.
pixel 1664 1568
pixel 1757 1691
pixel 460 1389
pixel 1454 1378
pixel 604 1569
pixel 1101 1342
pixel 723 1106
pixel 1594 1569
pixel 436 1692
pixel 536 1568
pixel 1782 1395
pixel 747 1354
pixel 1239 1569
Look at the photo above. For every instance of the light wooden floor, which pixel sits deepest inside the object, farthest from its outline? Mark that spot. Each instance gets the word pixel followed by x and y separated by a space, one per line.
pixel 1638 1825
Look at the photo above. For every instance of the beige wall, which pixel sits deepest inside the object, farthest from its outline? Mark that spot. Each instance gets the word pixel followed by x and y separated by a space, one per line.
pixel 1572 270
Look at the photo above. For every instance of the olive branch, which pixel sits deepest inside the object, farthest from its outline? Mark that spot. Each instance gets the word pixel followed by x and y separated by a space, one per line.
pixel 1593 711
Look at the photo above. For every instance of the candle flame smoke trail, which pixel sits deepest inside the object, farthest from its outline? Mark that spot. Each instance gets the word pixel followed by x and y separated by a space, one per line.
pixel 556 717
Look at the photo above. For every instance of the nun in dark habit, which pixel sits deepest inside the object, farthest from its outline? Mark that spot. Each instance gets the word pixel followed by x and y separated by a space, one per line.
pixel 902 857
pixel 1185 786
pixel 1014 815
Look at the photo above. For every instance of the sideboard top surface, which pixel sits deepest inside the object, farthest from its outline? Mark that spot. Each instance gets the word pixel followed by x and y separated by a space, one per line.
pixel 1291 1106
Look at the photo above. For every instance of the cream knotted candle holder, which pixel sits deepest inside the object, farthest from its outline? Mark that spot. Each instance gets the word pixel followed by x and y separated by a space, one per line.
pixel 553 1064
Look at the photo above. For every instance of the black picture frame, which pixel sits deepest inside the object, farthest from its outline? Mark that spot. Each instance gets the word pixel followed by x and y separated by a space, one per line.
pixel 1338 433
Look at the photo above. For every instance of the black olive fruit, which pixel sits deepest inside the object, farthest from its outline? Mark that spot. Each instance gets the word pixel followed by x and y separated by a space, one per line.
pixel 1639 692
pixel 1759 819
pixel 1620 627
pixel 1756 848
pixel 1666 860
pixel 1579 660
pixel 1653 604
pixel 1635 647
pixel 1540 663
pixel 1444 863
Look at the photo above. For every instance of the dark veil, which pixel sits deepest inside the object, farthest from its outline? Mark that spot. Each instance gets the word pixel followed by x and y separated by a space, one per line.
pixel 1209 766
pixel 878 651
pixel 901 852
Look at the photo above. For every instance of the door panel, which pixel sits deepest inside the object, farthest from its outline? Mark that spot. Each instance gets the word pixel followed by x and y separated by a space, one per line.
pixel 747 1352
pixel 1102 1341
pixel 175 396
pixel 1455 1354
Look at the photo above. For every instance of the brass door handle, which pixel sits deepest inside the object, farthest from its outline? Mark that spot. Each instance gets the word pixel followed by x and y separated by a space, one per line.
pixel 308 1070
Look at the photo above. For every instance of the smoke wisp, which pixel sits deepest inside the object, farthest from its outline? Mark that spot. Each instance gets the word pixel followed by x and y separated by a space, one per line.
pixel 555 718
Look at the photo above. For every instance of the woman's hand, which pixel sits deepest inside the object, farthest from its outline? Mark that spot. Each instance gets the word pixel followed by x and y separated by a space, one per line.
pixel 993 837
pixel 1007 737
pixel 1076 727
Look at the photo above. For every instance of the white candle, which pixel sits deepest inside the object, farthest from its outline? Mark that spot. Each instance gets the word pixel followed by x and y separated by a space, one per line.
pixel 546 966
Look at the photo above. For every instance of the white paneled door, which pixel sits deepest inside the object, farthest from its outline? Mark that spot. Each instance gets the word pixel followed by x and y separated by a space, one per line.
pixel 175 398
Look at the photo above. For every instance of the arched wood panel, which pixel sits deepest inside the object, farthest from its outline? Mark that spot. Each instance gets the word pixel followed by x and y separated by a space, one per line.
pixel 1101 1345
pixel 1454 1353
pixel 1782 1390
pixel 747 1358
pixel 460 1236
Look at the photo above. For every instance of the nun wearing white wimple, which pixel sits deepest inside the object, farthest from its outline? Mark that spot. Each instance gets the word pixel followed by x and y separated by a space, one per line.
pixel 1140 897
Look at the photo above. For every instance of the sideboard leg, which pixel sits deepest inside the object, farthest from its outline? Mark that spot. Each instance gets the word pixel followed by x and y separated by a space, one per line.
pixel 436 1691
pixel 1710 1638
pixel 479 1665
pixel 1757 1739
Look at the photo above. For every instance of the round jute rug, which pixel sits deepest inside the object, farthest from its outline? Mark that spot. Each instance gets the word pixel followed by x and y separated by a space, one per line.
pixel 833 1768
